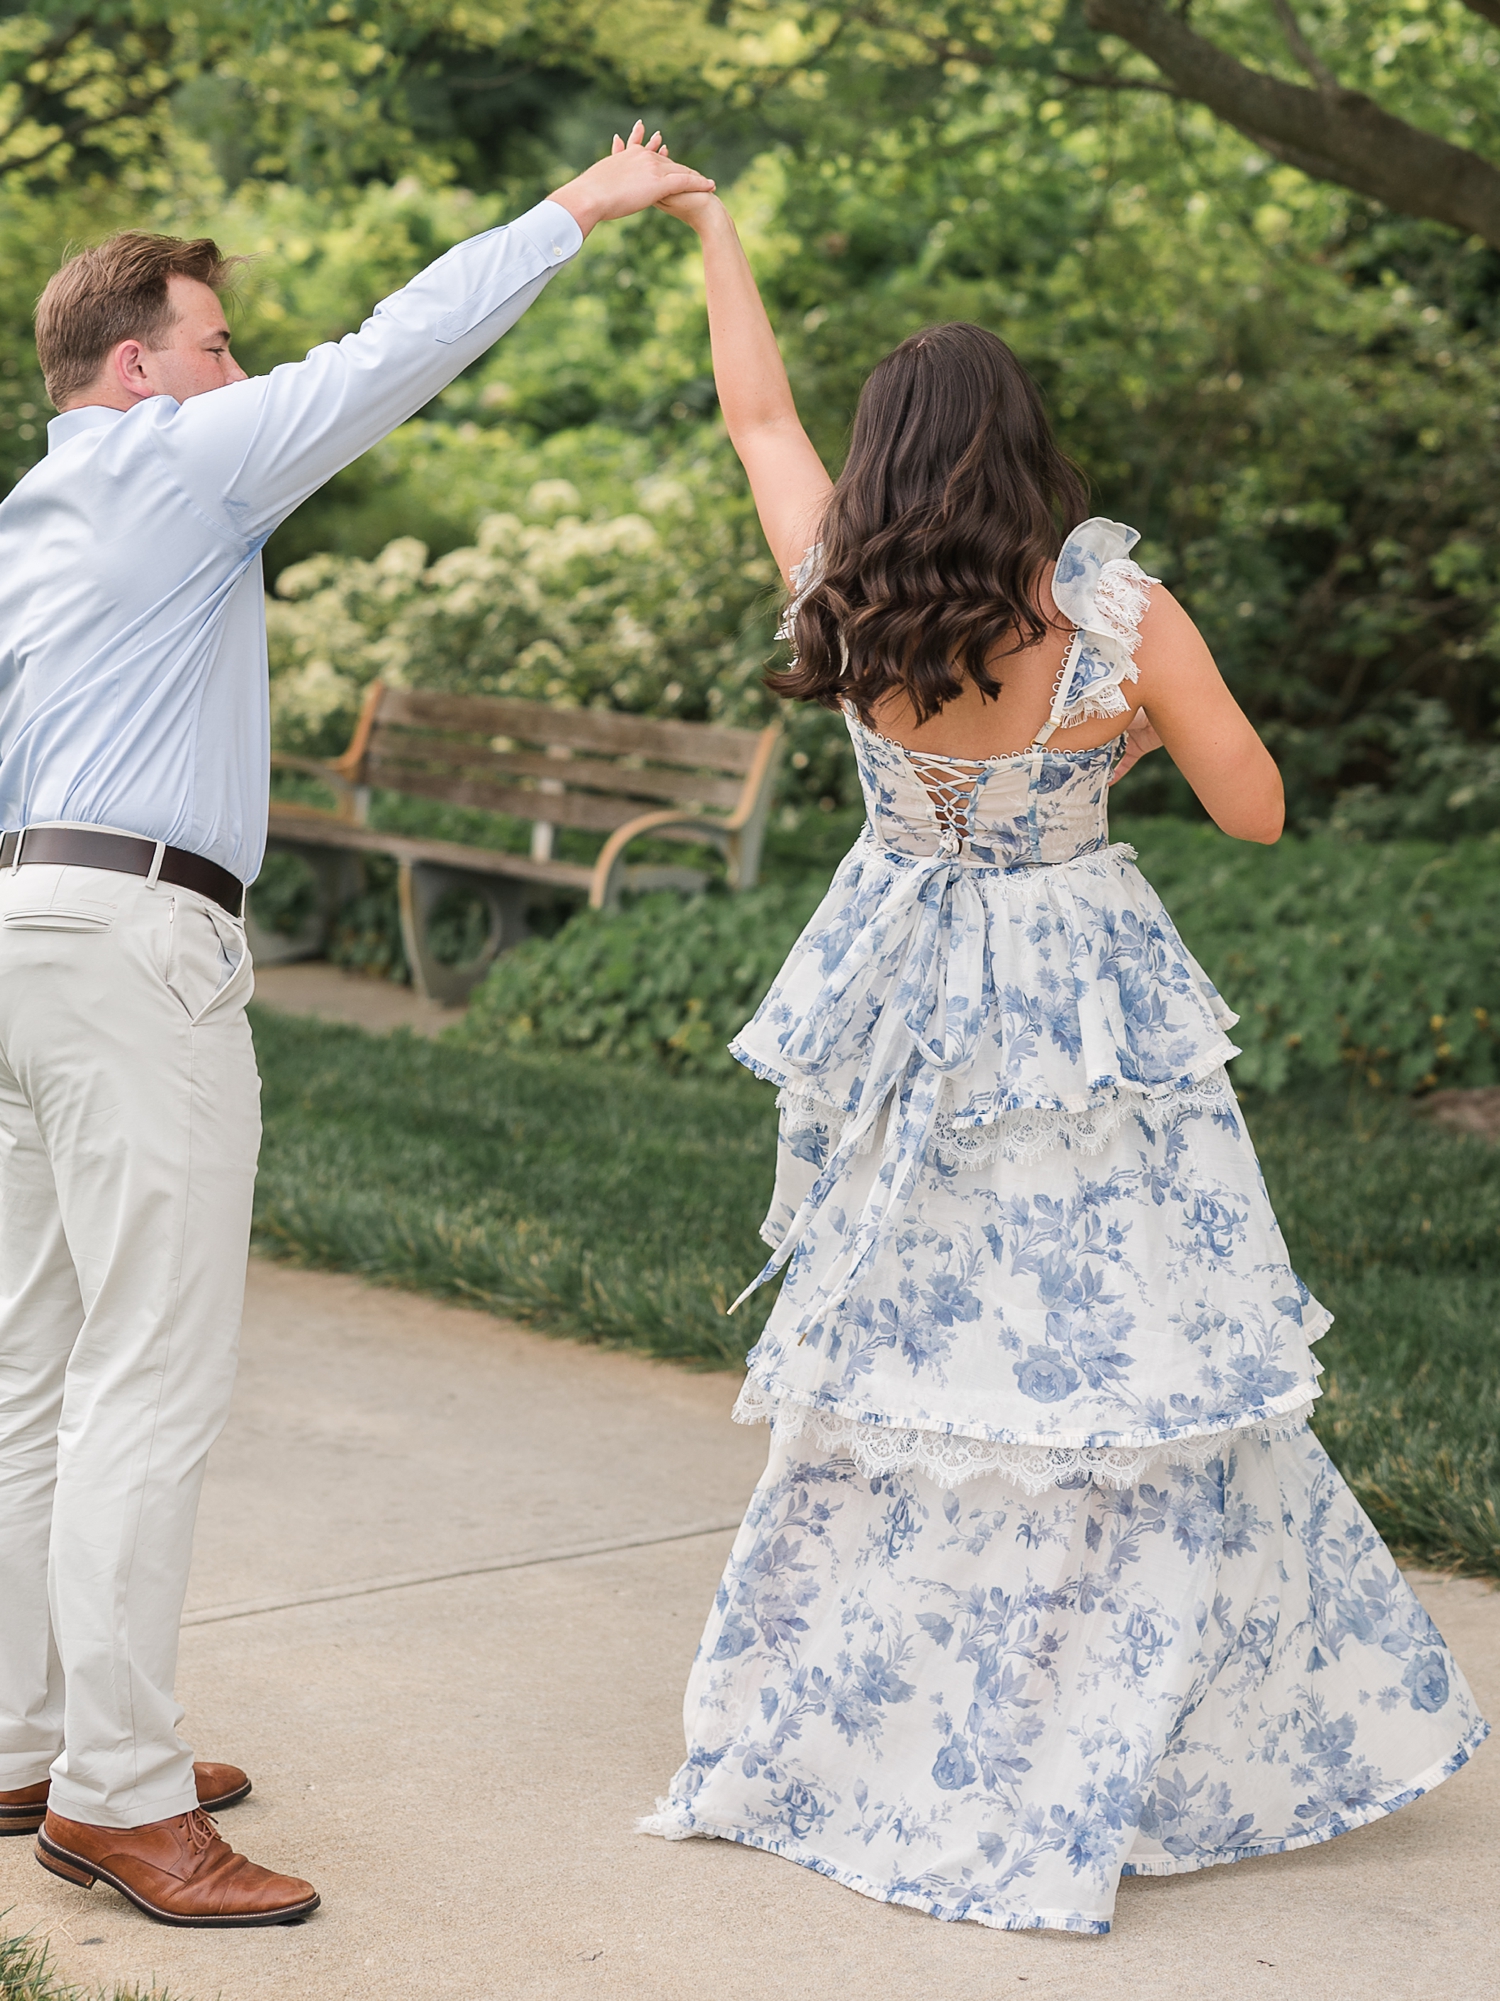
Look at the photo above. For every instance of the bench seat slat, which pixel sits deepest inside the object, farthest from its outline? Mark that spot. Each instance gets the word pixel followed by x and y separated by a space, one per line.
pixel 694 744
pixel 306 825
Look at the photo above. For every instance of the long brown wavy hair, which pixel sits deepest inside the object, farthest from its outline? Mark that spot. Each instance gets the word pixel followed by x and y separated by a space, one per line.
pixel 953 499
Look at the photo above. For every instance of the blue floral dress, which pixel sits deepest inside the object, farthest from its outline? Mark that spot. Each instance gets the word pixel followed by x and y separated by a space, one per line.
pixel 1047 1581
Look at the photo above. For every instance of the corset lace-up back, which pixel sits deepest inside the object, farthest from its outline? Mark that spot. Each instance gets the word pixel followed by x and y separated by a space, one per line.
pixel 953 785
pixel 1022 811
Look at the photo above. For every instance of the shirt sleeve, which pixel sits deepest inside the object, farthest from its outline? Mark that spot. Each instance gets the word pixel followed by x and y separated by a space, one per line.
pixel 249 453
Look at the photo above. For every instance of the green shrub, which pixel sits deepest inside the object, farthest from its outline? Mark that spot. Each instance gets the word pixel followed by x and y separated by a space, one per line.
pixel 1337 953
pixel 1437 784
pixel 1384 957
pixel 669 978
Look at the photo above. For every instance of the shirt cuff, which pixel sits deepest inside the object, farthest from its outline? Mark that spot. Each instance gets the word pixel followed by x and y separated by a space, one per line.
pixel 551 231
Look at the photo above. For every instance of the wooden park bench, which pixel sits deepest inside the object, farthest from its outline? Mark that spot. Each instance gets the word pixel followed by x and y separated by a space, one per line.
pixel 616 775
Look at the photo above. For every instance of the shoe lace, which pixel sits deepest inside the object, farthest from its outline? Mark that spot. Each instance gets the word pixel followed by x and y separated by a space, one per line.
pixel 201 1830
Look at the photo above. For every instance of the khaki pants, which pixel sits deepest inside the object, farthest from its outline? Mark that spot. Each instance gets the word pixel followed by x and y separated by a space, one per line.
pixel 129 1128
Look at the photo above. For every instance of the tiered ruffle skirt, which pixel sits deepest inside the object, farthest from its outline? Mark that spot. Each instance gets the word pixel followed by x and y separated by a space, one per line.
pixel 1047 1579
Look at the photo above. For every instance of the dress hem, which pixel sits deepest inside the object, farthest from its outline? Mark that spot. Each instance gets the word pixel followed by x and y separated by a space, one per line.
pixel 1138 1097
pixel 950 1459
pixel 675 1823
pixel 669 1824
pixel 1425 1782
pixel 1274 1408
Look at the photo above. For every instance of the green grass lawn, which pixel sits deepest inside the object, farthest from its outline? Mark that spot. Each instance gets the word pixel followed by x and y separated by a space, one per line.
pixel 599 1199
pixel 621 1204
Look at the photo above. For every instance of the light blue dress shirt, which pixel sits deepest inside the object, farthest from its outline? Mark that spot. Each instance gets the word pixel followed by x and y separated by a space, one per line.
pixel 133 686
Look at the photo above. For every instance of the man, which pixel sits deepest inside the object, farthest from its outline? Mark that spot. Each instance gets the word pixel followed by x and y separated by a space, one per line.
pixel 134 770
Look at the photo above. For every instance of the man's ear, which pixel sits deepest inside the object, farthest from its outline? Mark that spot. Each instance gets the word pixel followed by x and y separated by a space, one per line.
pixel 125 365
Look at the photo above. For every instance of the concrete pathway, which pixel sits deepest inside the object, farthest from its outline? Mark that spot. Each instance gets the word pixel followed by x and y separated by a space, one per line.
pixel 312 986
pixel 450 1577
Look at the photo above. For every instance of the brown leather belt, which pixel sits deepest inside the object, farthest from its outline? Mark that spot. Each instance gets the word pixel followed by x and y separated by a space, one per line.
pixel 126 854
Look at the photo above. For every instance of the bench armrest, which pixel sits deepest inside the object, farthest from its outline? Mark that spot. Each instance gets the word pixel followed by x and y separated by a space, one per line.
pixel 738 838
pixel 609 870
pixel 327 773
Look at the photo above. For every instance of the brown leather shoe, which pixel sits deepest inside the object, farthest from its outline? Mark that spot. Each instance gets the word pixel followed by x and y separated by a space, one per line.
pixel 24 1812
pixel 177 1871
pixel 219 1786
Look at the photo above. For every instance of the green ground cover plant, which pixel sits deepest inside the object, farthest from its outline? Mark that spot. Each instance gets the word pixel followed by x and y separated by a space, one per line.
pixel 1339 954
pixel 615 1202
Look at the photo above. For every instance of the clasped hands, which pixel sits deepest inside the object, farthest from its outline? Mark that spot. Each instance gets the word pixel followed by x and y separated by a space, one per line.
pixel 638 173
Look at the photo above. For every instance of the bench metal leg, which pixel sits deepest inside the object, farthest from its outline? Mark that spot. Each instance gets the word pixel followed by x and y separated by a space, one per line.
pixel 421 886
pixel 337 876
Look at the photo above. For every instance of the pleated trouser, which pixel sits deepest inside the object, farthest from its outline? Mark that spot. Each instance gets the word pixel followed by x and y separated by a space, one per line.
pixel 129 1129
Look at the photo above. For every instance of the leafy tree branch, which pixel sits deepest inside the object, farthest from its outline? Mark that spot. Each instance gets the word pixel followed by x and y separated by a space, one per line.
pixel 1331 132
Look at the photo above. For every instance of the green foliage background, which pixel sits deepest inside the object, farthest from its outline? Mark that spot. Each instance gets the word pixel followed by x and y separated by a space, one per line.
pixel 1295 396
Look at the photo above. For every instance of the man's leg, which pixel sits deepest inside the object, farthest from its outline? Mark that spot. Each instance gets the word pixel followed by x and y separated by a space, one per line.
pixel 41 1312
pixel 129 1043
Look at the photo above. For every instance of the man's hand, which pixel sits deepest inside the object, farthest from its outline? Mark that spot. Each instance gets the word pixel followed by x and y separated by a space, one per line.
pixel 635 176
pixel 1140 738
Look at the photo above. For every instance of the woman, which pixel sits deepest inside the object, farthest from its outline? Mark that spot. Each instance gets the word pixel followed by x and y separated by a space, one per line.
pixel 1047 1580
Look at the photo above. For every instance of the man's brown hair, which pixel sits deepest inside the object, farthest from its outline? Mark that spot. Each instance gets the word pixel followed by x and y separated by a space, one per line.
pixel 116 291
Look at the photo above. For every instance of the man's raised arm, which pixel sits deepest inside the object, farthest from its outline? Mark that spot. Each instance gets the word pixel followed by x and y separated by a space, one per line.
pixel 252 451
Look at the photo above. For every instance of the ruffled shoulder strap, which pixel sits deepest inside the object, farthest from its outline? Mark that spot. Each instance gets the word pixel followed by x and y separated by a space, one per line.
pixel 1103 595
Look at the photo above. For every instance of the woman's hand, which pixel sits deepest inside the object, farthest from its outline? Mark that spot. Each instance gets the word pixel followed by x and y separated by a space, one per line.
pixel 695 209
pixel 1140 740
pixel 698 211
pixel 635 176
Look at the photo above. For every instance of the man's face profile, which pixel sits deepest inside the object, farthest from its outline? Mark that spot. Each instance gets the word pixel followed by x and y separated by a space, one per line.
pixel 194 356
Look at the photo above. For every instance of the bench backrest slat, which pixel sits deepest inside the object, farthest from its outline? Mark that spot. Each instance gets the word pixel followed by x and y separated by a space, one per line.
pixel 395 755
pixel 562 809
pixel 700 746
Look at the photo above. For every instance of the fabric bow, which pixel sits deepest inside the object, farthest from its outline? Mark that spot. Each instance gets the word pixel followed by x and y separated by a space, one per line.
pixel 928 1030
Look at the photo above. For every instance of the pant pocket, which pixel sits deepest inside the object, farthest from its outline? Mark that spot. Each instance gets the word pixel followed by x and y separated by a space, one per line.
pixel 55 920
pixel 44 898
pixel 208 960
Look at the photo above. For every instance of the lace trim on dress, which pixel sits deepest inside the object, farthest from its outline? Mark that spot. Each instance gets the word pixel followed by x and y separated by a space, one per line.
pixel 1121 595
pixel 1023 1134
pixel 949 1459
pixel 1102 704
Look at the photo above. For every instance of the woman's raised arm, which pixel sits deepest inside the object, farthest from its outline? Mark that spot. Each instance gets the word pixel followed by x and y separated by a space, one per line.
pixel 789 481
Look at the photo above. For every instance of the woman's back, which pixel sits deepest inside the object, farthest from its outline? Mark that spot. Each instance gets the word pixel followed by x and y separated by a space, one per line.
pixel 960 784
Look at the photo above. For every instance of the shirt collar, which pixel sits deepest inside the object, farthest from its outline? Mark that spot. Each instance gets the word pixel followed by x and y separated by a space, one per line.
pixel 87 417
